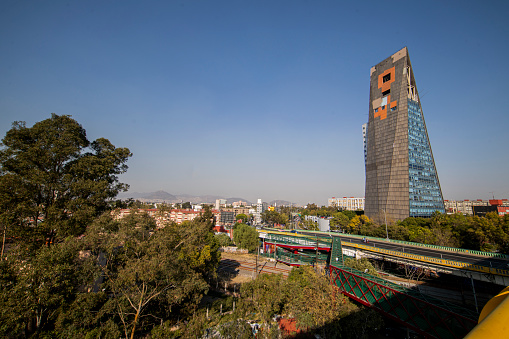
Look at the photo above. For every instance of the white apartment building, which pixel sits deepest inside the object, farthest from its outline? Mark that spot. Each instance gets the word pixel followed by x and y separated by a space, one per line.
pixel 239 203
pixel 220 203
pixel 260 208
pixel 348 204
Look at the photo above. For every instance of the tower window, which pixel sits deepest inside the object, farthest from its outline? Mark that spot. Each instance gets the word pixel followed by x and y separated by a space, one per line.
pixel 386 77
pixel 387 92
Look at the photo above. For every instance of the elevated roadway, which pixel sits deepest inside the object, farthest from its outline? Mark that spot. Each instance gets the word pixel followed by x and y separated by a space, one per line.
pixel 483 266
pixel 466 257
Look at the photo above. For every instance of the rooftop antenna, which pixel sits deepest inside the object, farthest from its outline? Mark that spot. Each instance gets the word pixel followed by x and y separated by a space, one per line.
pixel 492 194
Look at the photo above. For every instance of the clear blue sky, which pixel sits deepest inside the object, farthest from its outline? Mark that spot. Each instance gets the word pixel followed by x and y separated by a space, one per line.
pixel 260 99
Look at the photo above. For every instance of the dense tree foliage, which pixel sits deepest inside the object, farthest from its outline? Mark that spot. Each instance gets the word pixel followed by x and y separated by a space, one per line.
pixel 307 296
pixel 223 240
pixel 363 265
pixel 490 233
pixel 121 278
pixel 309 225
pixel 242 217
pixel 274 217
pixel 330 211
pixel 245 236
pixel 54 181
pixel 187 205
pixel 339 220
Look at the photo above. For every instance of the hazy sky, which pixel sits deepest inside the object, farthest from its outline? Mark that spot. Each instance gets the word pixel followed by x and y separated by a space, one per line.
pixel 260 99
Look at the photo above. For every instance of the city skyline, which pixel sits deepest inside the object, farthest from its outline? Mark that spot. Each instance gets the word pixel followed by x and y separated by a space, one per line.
pixel 260 100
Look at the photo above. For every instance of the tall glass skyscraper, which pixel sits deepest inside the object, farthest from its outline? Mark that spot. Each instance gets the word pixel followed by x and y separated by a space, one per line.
pixel 401 177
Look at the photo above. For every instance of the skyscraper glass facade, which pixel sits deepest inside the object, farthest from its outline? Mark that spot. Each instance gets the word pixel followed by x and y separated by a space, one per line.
pixel 424 190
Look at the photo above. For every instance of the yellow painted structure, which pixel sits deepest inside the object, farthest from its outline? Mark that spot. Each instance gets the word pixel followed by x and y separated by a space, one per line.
pixel 431 260
pixel 494 319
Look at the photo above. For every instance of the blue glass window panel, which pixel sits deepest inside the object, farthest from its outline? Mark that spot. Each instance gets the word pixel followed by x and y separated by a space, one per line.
pixel 424 190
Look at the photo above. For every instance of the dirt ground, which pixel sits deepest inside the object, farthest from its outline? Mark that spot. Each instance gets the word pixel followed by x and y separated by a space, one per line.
pixel 240 256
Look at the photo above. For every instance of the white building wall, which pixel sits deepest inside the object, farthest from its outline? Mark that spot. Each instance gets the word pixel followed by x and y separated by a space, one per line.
pixel 345 203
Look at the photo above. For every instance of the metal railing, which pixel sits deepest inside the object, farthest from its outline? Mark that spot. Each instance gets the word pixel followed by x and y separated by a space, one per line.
pixel 409 243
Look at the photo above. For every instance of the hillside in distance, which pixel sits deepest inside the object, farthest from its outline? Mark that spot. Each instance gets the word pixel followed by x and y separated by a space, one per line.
pixel 281 203
pixel 163 196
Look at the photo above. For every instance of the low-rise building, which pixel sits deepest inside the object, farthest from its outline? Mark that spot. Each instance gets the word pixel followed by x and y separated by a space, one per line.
pixel 239 203
pixel 347 203
pixel 162 217
pixel 323 223
pixel 495 205
pixel 467 206
pixel 226 218
pixel 238 210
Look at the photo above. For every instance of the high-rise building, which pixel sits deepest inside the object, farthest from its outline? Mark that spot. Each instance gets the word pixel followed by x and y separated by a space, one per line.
pixel 401 177
pixel 220 203
pixel 260 208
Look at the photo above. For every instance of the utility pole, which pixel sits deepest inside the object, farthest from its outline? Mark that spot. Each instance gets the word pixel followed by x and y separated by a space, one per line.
pixel 316 255
pixel 257 252
pixel 386 232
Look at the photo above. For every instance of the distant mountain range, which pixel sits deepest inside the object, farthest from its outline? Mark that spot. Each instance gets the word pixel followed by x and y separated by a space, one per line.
pixel 281 203
pixel 162 196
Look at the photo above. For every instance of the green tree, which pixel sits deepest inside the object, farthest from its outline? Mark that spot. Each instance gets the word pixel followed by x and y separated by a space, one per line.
pixel 309 225
pixel 311 206
pixel 62 180
pixel 314 301
pixel 207 217
pixel 35 290
pixel 223 240
pixel 265 294
pixel 274 217
pixel 12 208
pixel 339 221
pixel 356 223
pixel 363 265
pixel 349 214
pixel 242 217
pixel 140 276
pixel 309 297
pixel 187 205
pixel 150 272
pixel 245 236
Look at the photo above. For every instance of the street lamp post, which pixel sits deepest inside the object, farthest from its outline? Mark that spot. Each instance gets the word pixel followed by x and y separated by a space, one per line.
pixel 386 232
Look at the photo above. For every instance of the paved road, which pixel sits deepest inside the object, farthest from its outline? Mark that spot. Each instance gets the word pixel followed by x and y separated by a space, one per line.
pixel 430 252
